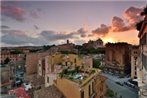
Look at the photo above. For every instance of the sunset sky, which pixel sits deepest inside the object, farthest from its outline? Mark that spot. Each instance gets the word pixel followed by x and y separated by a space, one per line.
pixel 48 22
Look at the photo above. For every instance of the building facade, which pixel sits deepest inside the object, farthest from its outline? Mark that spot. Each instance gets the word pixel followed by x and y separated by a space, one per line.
pixel 5 82
pixel 12 57
pixel 142 77
pixel 134 61
pixel 54 65
pixel 94 44
pixel 73 75
pixel 32 62
pixel 91 87
pixel 117 59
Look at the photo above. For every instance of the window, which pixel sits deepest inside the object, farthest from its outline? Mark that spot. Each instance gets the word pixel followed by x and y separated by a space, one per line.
pixel 82 94
pixel 92 86
pixel 66 63
pixel 75 60
pixel 135 73
pixel 47 79
pixel 89 90
pixel 135 68
pixel 101 96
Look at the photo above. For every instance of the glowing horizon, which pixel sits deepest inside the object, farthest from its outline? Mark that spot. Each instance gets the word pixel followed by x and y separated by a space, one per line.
pixel 47 23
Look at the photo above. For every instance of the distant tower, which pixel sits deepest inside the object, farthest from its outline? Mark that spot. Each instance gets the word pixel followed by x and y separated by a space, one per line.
pixel 67 41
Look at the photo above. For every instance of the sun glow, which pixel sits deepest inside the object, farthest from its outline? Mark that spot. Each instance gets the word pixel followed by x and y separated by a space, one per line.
pixel 106 40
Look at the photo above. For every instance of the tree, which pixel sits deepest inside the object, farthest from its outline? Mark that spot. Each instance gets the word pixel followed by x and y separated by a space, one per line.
pixel 6 61
pixel 144 11
pixel 96 63
pixel 77 69
pixel 46 47
pixel 139 24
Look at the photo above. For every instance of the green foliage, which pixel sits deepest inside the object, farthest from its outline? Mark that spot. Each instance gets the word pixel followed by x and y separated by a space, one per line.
pixel 96 63
pixel 144 11
pixel 46 47
pixel 77 69
pixel 67 52
pixel 34 50
pixel 138 25
pixel 83 50
pixel 69 72
pixel 61 74
pixel 65 71
pixel 93 71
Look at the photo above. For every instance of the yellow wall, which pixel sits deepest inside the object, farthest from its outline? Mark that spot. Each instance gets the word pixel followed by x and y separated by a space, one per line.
pixel 71 60
pixel 68 88
pixel 55 59
pixel 71 89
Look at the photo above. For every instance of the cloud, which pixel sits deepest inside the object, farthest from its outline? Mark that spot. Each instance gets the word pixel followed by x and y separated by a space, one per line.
pixel 82 32
pixel 4 27
pixel 52 35
pixel 118 25
pixel 132 15
pixel 13 12
pixel 16 32
pixel 101 31
pixel 17 37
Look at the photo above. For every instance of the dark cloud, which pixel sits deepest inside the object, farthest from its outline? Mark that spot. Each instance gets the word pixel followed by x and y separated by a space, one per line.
pixel 4 27
pixel 101 31
pixel 132 15
pixel 13 12
pixel 118 25
pixel 82 32
pixel 52 35
pixel 17 37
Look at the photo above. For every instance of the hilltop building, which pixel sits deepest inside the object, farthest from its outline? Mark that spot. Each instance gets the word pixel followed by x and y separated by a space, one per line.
pixel 94 44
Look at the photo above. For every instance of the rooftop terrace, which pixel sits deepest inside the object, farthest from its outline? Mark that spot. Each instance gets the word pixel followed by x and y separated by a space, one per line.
pixel 78 75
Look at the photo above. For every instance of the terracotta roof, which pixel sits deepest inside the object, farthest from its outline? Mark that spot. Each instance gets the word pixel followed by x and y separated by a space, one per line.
pixel 19 92
pixel 48 92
